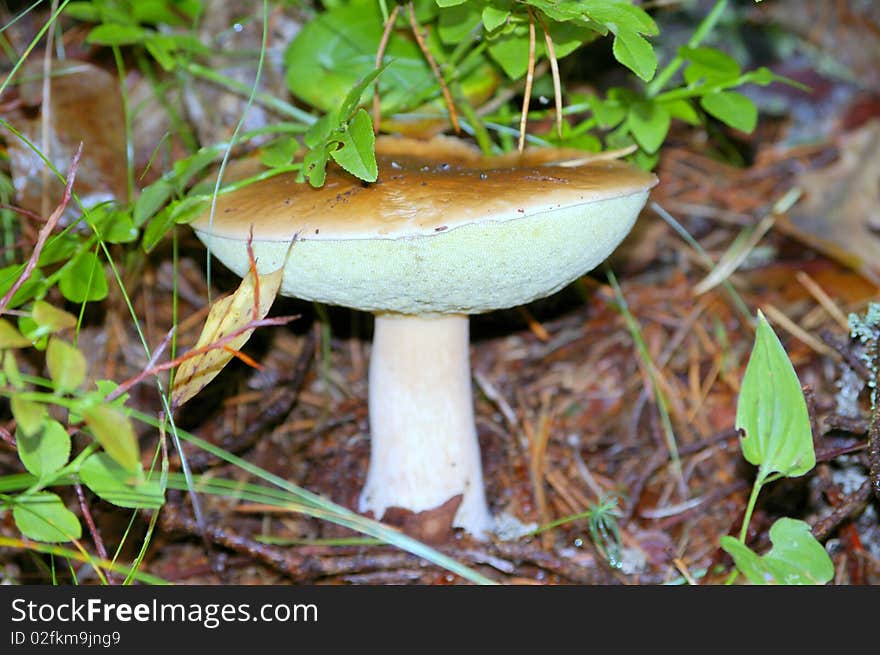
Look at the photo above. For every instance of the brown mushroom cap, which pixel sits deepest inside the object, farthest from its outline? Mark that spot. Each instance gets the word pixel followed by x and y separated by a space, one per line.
pixel 442 231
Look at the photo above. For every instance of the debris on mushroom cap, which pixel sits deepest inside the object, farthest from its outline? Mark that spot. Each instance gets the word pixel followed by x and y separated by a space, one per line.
pixel 449 233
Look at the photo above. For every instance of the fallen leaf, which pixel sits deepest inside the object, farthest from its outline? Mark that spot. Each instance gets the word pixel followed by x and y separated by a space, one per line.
pixel 85 106
pixel 841 214
pixel 225 332
pixel 431 526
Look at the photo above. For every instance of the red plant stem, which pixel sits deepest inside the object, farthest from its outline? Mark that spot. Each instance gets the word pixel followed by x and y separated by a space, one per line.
pixel 195 352
pixel 44 233
pixel 93 530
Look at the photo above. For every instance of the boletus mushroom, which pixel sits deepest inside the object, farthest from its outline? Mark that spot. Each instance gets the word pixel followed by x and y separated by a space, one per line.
pixel 442 234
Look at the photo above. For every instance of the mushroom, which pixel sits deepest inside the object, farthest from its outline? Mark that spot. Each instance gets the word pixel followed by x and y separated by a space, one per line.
pixel 442 234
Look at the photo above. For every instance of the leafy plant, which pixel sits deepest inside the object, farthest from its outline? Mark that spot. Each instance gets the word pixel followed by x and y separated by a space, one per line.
pixel 777 438
pixel 109 465
pixel 136 22
pixel 602 523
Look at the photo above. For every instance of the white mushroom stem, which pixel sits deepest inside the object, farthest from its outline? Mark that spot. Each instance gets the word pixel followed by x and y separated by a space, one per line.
pixel 424 447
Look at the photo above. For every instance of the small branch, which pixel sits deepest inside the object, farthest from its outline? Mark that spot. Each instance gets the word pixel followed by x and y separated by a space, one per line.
pixel 380 54
pixel 851 506
pixel 530 76
pixel 93 530
pixel 420 39
pixel 44 233
pixel 554 71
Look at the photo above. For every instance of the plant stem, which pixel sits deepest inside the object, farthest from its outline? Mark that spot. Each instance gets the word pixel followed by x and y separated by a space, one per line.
pixel 265 99
pixel 703 29
pixel 753 499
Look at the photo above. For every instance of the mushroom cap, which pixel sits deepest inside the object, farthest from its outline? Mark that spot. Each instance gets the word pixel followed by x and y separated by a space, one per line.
pixel 442 230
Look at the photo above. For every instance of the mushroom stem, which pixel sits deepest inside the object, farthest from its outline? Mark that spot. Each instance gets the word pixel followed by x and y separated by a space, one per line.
pixel 424 447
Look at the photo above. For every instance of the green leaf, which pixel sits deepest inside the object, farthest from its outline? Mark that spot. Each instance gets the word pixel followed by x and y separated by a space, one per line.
pixel 11 375
pixel 9 275
pixel 157 11
pixel 457 23
pixel 179 211
pixel 511 52
pixel 357 154
pixel 186 209
pixel 46 450
pixel 353 97
pixel 114 34
pixel 84 11
pixel 567 37
pixel 619 15
pixel 649 123
pixel 114 431
pixel 11 337
pixel 59 247
pixel 731 108
pixel 151 200
pixel 28 414
pixel 331 53
pixel 319 132
pixel 157 228
pixel 113 483
pixel 796 558
pixel 634 52
pixel 118 228
pixel 67 365
pixel 708 65
pixel 315 165
pixel 279 153
pixel 494 17
pixel 683 110
pixel 83 280
pixel 42 516
pixel 609 113
pixel 771 410
pixel 112 223
pixel 187 168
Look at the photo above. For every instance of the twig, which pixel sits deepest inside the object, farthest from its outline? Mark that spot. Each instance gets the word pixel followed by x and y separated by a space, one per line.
pixel 573 571
pixel 842 346
pixel 93 530
pixel 823 299
pixel 380 54
pixel 301 565
pixel 554 70
pixel 420 39
pixel 530 75
pixel 44 233
pixel 848 508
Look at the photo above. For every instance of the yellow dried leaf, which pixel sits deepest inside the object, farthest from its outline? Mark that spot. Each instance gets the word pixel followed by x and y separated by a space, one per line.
pixel 228 316
pixel 10 337
pixel 51 318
